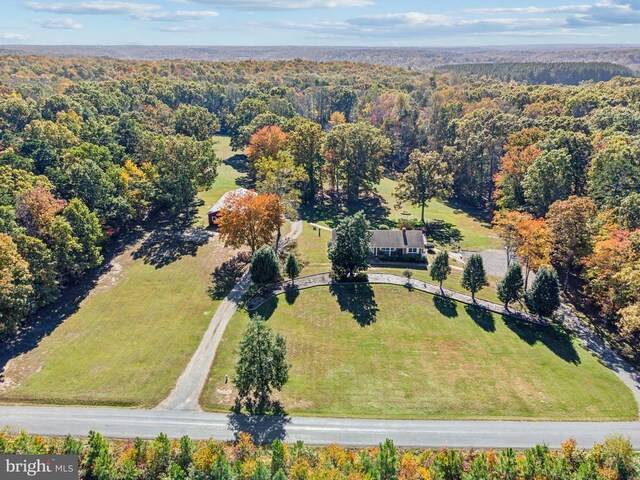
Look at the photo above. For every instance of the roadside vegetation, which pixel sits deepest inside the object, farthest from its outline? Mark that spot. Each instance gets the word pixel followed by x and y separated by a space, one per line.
pixel 269 458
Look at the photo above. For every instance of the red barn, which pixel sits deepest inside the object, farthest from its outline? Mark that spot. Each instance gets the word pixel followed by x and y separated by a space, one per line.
pixel 214 212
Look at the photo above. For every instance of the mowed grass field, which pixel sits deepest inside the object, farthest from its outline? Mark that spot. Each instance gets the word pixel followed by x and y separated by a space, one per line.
pixel 385 352
pixel 225 181
pixel 132 336
pixel 128 343
pixel 476 234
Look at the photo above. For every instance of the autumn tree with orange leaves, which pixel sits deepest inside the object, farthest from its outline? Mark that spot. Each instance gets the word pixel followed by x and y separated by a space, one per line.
pixel 534 247
pixel 509 191
pixel 505 223
pixel 605 267
pixel 250 219
pixel 568 222
pixel 36 209
pixel 266 143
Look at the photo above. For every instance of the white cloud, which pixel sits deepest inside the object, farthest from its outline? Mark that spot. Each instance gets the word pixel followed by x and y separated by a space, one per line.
pixel 561 21
pixel 136 11
pixel 65 23
pixel 282 4
pixel 415 24
pixel 183 28
pixel 531 10
pixel 97 7
pixel 181 15
pixel 12 36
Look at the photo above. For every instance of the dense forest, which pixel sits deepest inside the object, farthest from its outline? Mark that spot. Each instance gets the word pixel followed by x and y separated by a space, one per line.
pixel 89 146
pixel 569 73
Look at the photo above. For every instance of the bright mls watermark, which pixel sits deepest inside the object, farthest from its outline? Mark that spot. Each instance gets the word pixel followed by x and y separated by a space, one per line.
pixel 49 467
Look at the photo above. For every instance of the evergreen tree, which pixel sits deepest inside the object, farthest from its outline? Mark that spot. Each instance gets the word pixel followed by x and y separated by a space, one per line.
pixel 511 287
pixel 264 267
pixel 261 365
pixel 350 249
pixel 440 270
pixel 277 457
pixel 221 470
pixel 543 298
pixel 185 455
pixel 292 267
pixel 507 466
pixel 280 475
pixel 474 276
pixel 387 461
pixel 261 472
pixel 96 462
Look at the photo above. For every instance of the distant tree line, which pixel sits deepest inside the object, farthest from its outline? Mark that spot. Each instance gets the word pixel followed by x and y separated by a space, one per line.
pixel 566 73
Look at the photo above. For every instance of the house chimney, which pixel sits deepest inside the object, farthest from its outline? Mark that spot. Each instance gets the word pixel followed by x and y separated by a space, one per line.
pixel 404 235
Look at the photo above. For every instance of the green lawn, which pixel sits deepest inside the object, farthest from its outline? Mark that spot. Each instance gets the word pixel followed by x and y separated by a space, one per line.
pixel 225 181
pixel 312 248
pixel 488 293
pixel 476 234
pixel 385 352
pixel 134 334
pixel 129 342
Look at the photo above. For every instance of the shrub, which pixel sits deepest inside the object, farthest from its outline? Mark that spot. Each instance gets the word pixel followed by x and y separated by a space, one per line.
pixel 510 288
pixel 265 268
pixel 543 298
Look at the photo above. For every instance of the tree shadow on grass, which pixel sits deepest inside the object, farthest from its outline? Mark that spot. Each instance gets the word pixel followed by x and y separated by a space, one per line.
pixel 238 162
pixel 556 340
pixel 333 210
pixel 482 216
pixel 357 299
pixel 444 233
pixel 291 294
pixel 227 275
pixel 267 309
pixel 264 429
pixel 483 318
pixel 171 239
pixel 47 319
pixel 446 306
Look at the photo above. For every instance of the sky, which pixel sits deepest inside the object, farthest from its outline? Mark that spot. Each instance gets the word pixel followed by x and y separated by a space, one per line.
pixel 319 22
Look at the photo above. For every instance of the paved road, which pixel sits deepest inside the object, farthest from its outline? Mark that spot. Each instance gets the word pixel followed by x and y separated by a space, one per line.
pixel 186 394
pixel 121 423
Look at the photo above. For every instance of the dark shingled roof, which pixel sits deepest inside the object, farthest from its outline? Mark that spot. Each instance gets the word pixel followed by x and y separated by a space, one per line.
pixel 395 239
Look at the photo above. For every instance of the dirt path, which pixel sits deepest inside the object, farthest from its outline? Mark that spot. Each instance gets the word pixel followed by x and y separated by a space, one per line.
pixel 186 394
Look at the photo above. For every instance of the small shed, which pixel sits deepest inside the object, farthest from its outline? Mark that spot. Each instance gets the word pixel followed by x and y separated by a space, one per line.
pixel 214 212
